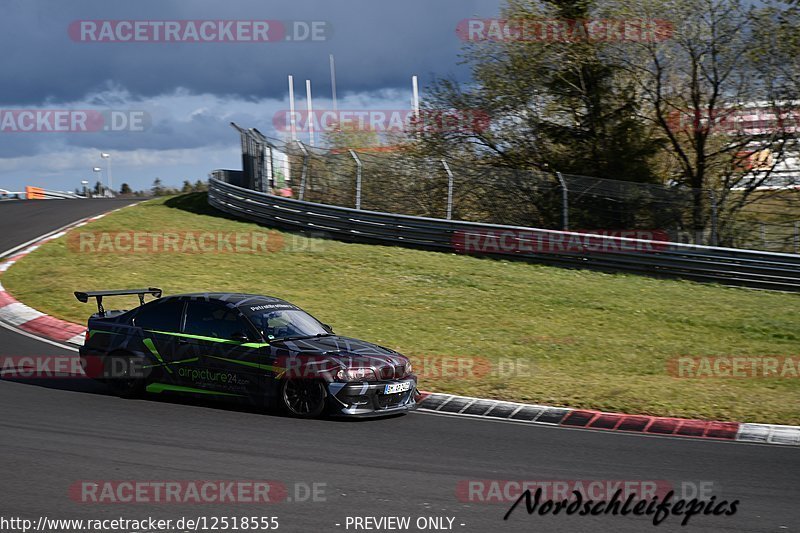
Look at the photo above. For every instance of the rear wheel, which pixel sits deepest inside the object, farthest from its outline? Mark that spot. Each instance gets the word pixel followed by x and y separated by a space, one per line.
pixel 303 398
pixel 124 375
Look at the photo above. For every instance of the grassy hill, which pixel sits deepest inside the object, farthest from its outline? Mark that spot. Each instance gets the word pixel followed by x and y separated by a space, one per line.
pixel 534 333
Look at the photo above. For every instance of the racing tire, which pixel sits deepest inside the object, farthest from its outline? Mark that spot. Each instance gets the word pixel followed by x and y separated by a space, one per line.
pixel 123 375
pixel 303 398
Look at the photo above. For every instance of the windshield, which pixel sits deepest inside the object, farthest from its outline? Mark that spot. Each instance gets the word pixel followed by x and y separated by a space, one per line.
pixel 278 324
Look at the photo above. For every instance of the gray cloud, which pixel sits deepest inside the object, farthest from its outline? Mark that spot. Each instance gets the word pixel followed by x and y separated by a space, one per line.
pixel 377 44
pixel 191 91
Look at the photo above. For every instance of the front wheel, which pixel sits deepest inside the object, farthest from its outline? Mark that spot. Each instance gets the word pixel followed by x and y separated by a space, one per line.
pixel 303 398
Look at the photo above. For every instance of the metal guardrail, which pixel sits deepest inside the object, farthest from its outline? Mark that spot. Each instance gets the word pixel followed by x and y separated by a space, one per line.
pixel 729 266
pixel 38 193
pixel 59 195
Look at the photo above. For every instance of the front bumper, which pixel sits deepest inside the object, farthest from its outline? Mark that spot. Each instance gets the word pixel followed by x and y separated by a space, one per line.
pixel 369 399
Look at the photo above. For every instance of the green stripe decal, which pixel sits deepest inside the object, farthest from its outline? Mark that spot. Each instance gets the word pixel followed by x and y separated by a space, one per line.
pixel 152 348
pixel 247 363
pixel 211 339
pixel 93 331
pixel 192 360
pixel 158 388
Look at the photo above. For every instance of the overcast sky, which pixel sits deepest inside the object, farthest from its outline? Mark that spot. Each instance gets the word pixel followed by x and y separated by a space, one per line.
pixel 180 96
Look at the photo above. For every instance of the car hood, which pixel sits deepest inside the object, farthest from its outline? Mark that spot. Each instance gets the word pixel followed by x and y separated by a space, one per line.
pixel 335 344
pixel 347 349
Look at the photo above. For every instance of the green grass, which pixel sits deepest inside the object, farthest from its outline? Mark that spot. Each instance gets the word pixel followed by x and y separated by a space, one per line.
pixel 587 339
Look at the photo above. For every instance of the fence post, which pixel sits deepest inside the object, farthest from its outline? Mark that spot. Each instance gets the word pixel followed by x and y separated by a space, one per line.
pixel 270 184
pixel 358 179
pixel 304 173
pixel 714 218
pixel 797 237
pixel 449 189
pixel 564 202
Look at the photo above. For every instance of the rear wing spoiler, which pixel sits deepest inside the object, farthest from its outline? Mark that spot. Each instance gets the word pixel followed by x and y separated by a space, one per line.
pixel 83 297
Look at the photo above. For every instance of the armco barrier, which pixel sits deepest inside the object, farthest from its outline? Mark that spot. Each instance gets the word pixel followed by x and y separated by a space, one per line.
pixel 761 270
pixel 37 193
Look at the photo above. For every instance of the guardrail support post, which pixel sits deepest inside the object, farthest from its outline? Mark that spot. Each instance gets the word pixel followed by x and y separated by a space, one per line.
pixel 358 179
pixel 449 189
pixel 564 202
pixel 304 173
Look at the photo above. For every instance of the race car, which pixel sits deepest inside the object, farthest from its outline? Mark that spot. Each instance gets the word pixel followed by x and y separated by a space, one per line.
pixel 242 347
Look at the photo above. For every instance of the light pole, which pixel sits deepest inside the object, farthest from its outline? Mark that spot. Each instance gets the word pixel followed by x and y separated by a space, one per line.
pixel 85 189
pixel 100 178
pixel 310 108
pixel 110 183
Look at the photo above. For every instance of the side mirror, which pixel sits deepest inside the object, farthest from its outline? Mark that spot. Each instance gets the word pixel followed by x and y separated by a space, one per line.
pixel 239 337
pixel 327 328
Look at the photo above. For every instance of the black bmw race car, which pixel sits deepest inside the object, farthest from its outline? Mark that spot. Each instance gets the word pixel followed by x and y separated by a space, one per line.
pixel 242 347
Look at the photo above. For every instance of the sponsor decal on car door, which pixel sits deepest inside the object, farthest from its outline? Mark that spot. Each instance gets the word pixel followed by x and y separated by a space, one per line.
pixel 230 357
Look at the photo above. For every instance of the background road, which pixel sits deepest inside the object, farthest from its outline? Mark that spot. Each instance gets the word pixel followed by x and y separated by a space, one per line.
pixel 21 221
pixel 57 433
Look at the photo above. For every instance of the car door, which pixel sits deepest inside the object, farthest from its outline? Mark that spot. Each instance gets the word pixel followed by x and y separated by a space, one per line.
pixel 161 322
pixel 228 350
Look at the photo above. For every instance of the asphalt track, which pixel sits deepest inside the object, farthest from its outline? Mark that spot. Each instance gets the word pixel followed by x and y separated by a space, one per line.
pixel 53 434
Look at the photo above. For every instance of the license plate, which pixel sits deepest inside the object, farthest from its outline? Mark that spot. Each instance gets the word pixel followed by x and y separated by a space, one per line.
pixel 394 388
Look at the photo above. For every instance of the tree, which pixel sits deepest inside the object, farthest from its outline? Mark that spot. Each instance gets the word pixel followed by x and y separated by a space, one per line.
pixel 98 189
pixel 351 138
pixel 694 85
pixel 187 187
pixel 157 189
pixel 776 51
pixel 125 189
pixel 554 103
pixel 658 109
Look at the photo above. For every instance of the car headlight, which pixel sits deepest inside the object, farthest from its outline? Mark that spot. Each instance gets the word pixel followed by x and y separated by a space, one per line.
pixel 355 374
